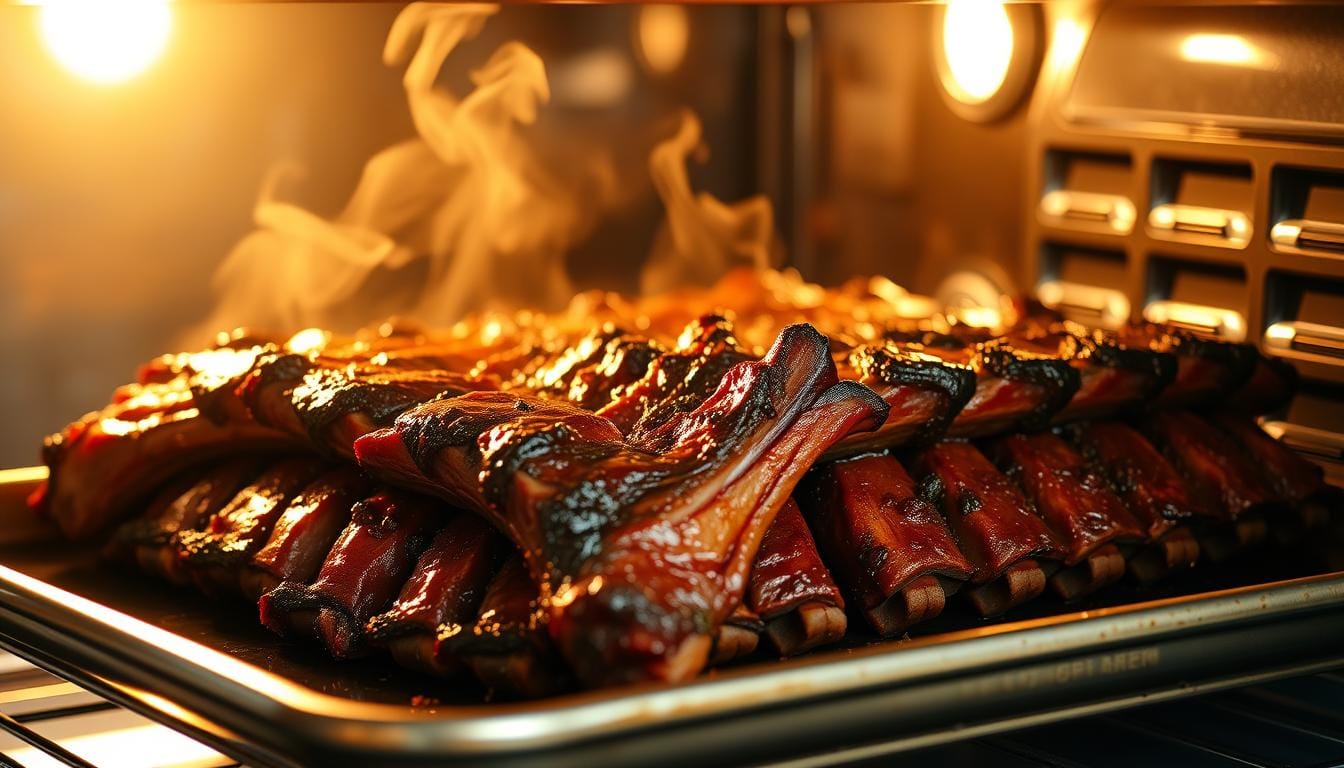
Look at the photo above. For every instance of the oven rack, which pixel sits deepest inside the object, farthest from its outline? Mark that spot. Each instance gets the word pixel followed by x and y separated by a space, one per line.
pixel 47 721
pixel 1293 722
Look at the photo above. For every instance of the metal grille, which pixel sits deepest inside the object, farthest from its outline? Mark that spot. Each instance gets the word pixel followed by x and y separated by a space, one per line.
pixel 1295 723
pixel 45 721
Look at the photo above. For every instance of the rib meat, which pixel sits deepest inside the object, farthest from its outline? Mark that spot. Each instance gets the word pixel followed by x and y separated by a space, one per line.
pixel 507 647
pixel 1292 477
pixel 103 465
pixel 360 577
pixel 1205 368
pixel 442 595
pixel 305 532
pixel 1216 471
pixel 995 527
pixel 1077 504
pixel 679 381
pixel 217 553
pixel 890 548
pixel 322 403
pixel 791 590
pixel 643 545
pixel 1151 490
pixel 923 392
pixel 149 538
pixel 1016 387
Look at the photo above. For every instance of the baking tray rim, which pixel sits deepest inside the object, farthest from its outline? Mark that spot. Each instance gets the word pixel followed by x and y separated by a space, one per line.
pixel 38 609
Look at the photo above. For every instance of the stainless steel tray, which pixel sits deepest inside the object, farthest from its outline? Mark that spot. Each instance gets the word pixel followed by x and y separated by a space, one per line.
pixel 211 671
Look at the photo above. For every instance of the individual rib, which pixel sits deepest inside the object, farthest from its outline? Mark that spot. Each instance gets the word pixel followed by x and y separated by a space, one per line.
pixel 1077 504
pixel 442 594
pixel 303 536
pixel 1151 489
pixel 923 392
pixel 360 577
pixel 507 647
pixel 216 554
pixel 1007 544
pixel 891 549
pixel 148 539
pixel 791 590
pixel 1220 478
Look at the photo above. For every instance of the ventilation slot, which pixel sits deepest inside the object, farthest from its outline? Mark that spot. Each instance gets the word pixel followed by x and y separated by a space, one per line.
pixel 1202 203
pixel 1084 285
pixel 1308 210
pixel 1305 314
pixel 1207 299
pixel 1088 191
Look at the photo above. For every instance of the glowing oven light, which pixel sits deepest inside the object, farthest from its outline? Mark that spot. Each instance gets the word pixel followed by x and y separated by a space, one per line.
pixel 977 47
pixel 663 33
pixel 106 41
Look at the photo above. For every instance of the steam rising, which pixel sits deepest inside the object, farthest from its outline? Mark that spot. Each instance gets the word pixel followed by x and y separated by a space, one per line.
pixel 703 237
pixel 469 215
pixel 464 216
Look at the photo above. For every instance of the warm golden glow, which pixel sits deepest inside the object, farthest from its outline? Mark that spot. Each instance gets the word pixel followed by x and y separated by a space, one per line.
pixel 308 340
pixel 106 41
pixel 663 32
pixel 136 745
pixel 1222 49
pixel 978 48
pixel 1066 42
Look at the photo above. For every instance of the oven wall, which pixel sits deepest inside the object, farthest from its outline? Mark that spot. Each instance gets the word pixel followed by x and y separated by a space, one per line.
pixel 905 187
pixel 118 203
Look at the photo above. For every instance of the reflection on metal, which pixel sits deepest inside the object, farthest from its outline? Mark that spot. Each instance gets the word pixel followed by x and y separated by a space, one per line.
pixel 977 48
pixel 1102 307
pixel 1067 37
pixel 1305 339
pixel 1309 235
pixel 979 297
pixel 1230 228
pixel 1220 323
pixel 1114 211
pixel 1233 50
pixel 1317 442
pixel 663 33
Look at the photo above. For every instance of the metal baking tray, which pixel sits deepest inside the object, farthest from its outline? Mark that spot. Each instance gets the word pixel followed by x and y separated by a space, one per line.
pixel 213 672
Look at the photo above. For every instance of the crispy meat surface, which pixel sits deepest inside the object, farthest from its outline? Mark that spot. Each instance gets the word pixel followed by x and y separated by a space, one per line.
pixel 881 537
pixel 1074 498
pixel 642 545
pixel 441 596
pixel 360 577
pixel 995 526
pixel 792 590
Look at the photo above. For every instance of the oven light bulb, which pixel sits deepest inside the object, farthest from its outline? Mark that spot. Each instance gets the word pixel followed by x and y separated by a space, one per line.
pixel 977 48
pixel 105 41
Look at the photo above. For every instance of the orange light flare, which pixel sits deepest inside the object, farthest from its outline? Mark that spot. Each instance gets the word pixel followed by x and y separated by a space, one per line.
pixel 105 42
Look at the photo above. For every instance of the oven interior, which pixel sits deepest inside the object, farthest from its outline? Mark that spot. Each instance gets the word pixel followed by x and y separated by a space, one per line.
pixel 1176 163
pixel 1172 162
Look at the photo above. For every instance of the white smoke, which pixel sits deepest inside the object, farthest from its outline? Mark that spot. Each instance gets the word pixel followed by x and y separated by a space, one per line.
pixel 703 237
pixel 468 205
